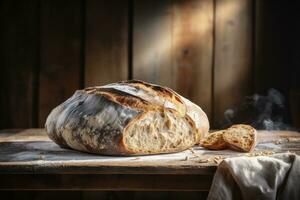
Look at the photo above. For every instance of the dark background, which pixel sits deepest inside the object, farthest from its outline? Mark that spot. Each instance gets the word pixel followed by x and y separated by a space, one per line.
pixel 215 52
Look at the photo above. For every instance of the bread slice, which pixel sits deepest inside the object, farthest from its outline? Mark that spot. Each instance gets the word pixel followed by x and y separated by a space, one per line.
pixel 214 141
pixel 240 137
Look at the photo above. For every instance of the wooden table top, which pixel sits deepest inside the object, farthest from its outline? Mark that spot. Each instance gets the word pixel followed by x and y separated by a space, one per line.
pixel 28 152
pixel 31 151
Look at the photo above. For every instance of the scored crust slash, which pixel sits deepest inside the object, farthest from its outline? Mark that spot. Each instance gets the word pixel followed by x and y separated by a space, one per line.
pixel 127 118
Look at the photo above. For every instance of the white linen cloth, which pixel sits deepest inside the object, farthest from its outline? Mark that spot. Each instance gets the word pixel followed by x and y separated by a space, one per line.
pixel 255 178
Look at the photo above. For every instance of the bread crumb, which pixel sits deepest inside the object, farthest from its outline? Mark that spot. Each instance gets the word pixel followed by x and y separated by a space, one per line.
pixel 277 142
pixel 192 150
pixel 260 153
pixel 185 159
pixel 280 141
pixel 293 139
pixel 202 161
pixel 214 159
pixel 286 140
pixel 217 159
pixel 194 156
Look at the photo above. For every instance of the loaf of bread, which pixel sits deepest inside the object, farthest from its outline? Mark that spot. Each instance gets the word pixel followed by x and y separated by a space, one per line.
pixel 239 137
pixel 127 118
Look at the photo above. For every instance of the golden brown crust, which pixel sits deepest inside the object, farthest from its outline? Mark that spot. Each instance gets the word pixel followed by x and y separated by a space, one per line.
pixel 214 141
pixel 161 91
pixel 236 144
pixel 123 98
pixel 133 101
pixel 226 139
pixel 155 89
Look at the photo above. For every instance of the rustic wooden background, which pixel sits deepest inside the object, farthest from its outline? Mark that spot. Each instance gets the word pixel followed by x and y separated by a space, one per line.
pixel 214 52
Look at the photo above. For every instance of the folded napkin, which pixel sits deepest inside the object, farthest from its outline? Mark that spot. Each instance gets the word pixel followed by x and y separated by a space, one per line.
pixel 254 178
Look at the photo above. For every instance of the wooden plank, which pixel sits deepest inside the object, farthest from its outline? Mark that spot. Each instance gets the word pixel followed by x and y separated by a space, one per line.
pixel 106 42
pixel 233 71
pixel 63 195
pixel 61 23
pixel 174 195
pixel 44 195
pixel 18 62
pixel 105 182
pixel 95 195
pixel 193 48
pixel 152 42
pixel 173 46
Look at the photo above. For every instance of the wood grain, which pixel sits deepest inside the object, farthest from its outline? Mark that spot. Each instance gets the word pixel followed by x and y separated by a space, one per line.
pixel 106 55
pixel 60 53
pixel 173 46
pixel 31 151
pixel 233 70
pixel 105 195
pixel 193 48
pixel 175 43
pixel 18 63
pixel 41 195
pixel 152 45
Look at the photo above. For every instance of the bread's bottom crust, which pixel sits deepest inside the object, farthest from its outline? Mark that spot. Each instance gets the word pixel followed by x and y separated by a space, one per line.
pixel 159 132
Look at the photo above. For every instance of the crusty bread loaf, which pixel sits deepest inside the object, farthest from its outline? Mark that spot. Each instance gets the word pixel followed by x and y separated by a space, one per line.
pixel 214 141
pixel 127 118
pixel 240 137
